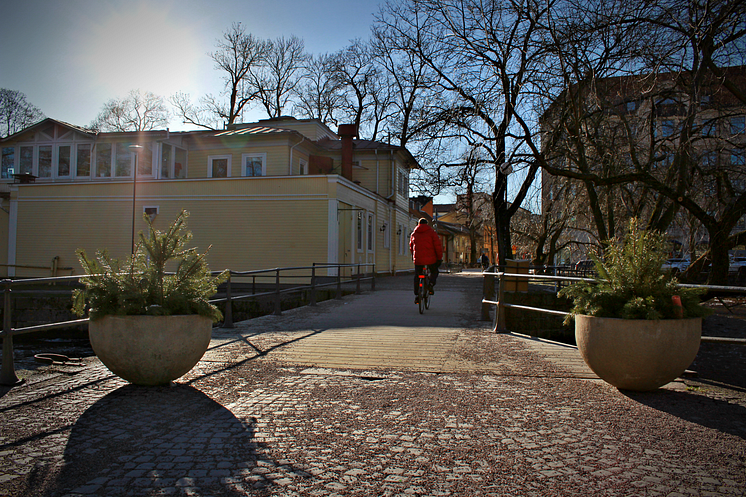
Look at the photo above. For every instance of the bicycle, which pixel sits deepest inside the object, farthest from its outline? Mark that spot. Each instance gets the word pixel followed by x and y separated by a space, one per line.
pixel 423 291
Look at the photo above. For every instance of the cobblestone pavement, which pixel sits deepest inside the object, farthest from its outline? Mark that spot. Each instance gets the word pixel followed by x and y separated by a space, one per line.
pixel 246 421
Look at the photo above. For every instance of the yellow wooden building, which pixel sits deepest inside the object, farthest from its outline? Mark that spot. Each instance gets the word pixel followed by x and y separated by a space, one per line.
pixel 279 192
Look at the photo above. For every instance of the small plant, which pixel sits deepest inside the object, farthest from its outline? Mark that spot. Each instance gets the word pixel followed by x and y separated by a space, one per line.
pixel 631 284
pixel 141 285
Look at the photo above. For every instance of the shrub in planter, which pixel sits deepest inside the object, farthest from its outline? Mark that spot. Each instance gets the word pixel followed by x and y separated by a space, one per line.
pixel 130 304
pixel 639 329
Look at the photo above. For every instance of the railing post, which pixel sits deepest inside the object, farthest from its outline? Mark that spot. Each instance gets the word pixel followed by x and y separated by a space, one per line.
pixel 339 283
pixel 278 300
pixel 253 284
pixel 500 321
pixel 357 287
pixel 488 293
pixel 8 373
pixel 228 318
pixel 312 300
pixel 373 279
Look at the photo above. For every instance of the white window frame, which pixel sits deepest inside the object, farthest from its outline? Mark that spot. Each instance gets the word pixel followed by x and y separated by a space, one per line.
pixel 371 234
pixel 359 233
pixel 261 155
pixel 211 158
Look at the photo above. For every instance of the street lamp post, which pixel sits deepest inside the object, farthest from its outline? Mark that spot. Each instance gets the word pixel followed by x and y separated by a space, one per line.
pixel 136 150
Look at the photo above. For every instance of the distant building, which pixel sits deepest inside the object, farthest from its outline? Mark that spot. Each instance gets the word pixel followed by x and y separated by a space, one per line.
pixel 649 122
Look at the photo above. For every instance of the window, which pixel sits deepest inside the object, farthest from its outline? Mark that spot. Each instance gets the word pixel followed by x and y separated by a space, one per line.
pixel 253 164
pixel 63 161
pixel 709 159
pixel 359 231
pixel 123 162
pixel 370 233
pixel 83 160
pixel 737 125
pixel 45 161
pixel 386 236
pixel 151 211
pixel 8 162
pixel 631 106
pixel 302 167
pixel 403 186
pixel 27 160
pixel 708 128
pixel 219 166
pixel 103 160
pixel 145 160
pixel 166 163
pixel 180 163
pixel 667 128
pixel 173 161
pixel 738 158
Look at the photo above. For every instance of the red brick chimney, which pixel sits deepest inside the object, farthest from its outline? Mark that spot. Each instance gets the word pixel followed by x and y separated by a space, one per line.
pixel 347 132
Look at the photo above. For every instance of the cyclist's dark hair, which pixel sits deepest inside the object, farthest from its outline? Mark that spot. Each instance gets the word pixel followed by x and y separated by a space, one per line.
pixel 422 221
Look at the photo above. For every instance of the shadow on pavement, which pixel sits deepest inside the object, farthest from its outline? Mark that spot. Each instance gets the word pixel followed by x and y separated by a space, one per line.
pixel 151 438
pixel 712 413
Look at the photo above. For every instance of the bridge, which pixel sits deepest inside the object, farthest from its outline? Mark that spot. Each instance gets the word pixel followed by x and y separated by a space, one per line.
pixel 365 396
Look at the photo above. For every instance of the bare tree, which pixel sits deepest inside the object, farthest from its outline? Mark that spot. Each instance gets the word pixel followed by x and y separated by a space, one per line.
pixel 484 55
pixel 16 113
pixel 665 127
pixel 276 80
pixel 138 111
pixel 365 92
pixel 237 55
pixel 320 93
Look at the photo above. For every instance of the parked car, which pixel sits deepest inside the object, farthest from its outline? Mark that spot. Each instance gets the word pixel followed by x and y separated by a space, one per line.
pixel 584 265
pixel 737 263
pixel 679 264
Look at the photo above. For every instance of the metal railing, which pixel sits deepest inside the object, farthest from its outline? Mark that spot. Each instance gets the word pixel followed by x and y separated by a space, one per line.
pixel 500 304
pixel 278 284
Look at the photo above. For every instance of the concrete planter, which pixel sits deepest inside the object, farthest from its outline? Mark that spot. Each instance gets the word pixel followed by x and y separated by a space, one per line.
pixel 635 354
pixel 150 350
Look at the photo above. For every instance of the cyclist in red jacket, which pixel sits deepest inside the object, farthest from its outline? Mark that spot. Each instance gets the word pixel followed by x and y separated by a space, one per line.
pixel 426 251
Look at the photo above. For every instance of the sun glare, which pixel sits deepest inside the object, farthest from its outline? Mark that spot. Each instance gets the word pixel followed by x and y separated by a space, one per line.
pixel 140 45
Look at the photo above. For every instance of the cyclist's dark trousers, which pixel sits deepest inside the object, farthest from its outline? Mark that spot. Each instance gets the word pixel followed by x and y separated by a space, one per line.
pixel 418 272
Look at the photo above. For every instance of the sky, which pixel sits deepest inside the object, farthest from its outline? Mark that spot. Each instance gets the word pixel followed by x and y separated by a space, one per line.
pixel 69 57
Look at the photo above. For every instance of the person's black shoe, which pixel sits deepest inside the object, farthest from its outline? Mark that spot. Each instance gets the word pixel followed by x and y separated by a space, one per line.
pixel 432 291
pixel 417 300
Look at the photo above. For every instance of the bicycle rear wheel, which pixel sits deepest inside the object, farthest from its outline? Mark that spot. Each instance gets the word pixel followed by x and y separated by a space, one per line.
pixel 422 292
pixel 427 295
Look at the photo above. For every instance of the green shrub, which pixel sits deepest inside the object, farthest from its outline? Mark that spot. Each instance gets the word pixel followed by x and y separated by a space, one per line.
pixel 141 285
pixel 631 285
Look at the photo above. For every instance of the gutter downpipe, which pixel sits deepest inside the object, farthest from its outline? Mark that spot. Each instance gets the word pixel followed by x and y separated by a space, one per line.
pixel 290 166
pixel 375 151
pixel 392 214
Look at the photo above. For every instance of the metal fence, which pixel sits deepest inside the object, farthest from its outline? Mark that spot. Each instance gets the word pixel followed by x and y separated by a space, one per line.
pixel 273 282
pixel 490 292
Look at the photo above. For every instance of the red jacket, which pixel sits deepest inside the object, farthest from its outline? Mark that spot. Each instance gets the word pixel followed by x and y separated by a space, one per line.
pixel 425 245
